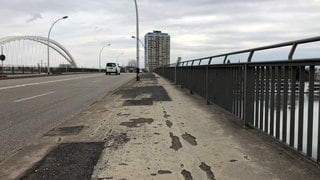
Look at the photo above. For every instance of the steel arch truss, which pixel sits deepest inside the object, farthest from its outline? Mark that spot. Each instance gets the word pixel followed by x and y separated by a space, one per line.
pixel 52 44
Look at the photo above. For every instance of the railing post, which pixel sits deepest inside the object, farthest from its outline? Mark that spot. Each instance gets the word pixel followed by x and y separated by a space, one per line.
pixel 292 50
pixel 175 74
pixel 191 77
pixel 248 97
pixel 207 81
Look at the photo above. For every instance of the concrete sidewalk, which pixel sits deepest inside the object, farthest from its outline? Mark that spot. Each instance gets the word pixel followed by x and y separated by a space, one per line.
pixel 153 129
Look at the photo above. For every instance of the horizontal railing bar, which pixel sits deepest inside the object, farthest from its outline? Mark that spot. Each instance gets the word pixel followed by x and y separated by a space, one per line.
pixel 251 50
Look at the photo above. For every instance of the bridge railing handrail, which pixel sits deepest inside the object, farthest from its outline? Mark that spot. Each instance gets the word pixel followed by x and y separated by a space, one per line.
pixel 251 51
pixel 263 94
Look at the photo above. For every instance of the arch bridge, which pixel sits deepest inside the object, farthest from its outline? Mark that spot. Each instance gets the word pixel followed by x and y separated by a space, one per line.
pixel 56 46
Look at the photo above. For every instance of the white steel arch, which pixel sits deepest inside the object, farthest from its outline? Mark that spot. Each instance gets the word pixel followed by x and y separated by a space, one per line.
pixel 43 40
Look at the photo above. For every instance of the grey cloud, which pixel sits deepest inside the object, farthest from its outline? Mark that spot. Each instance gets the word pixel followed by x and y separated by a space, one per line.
pixel 216 26
pixel 34 17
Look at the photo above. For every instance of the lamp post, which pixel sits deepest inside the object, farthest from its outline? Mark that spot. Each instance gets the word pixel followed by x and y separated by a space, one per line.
pixel 100 55
pixel 48 49
pixel 118 57
pixel 137 38
pixel 139 41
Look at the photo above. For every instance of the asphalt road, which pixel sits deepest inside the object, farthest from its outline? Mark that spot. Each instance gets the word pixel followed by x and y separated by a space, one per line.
pixel 32 106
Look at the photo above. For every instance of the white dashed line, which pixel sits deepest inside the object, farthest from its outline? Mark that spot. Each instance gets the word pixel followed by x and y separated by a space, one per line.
pixel 32 97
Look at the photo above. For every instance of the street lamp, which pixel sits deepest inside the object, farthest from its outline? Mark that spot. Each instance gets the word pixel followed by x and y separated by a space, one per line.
pixel 48 65
pixel 100 55
pixel 137 38
pixel 118 57
pixel 139 41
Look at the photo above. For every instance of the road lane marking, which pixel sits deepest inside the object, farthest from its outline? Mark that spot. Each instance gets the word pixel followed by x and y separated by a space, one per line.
pixel 32 97
pixel 44 82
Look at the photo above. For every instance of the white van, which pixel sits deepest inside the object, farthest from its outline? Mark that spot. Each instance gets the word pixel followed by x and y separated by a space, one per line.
pixel 112 68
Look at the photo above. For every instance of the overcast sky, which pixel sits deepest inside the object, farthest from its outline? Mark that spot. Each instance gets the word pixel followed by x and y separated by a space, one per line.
pixel 197 28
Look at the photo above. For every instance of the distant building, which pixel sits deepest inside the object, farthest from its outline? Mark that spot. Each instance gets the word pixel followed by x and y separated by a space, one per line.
pixel 157 49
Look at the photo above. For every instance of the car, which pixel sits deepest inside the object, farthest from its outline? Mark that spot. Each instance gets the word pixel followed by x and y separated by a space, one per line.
pixel 112 68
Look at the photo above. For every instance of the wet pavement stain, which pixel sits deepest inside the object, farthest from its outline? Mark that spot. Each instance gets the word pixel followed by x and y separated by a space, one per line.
pixel 103 110
pixel 207 169
pixel 165 115
pixel 164 172
pixel 169 123
pixel 137 122
pixel 186 174
pixel 123 164
pixel 123 114
pixel 190 139
pixel 175 142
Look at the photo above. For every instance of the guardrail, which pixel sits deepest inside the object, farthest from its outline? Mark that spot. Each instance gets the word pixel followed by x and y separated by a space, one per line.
pixel 278 98
pixel 12 70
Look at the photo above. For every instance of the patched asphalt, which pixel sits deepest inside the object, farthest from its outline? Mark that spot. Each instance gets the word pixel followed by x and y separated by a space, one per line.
pixel 153 130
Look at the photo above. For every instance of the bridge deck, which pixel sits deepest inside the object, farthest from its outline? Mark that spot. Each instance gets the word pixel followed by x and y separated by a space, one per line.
pixel 156 130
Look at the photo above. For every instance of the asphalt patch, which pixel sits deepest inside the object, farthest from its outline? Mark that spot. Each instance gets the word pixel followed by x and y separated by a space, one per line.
pixel 169 123
pixel 137 122
pixel 116 139
pixel 164 172
pixel 186 174
pixel 142 102
pixel 190 139
pixel 67 161
pixel 158 93
pixel 207 169
pixel 175 142
pixel 64 131
pixel 105 178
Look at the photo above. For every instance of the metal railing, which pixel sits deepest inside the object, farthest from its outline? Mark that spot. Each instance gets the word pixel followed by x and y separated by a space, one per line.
pixel 15 70
pixel 279 98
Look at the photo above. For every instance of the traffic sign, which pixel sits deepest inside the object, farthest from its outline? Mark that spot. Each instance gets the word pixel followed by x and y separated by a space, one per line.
pixel 2 57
